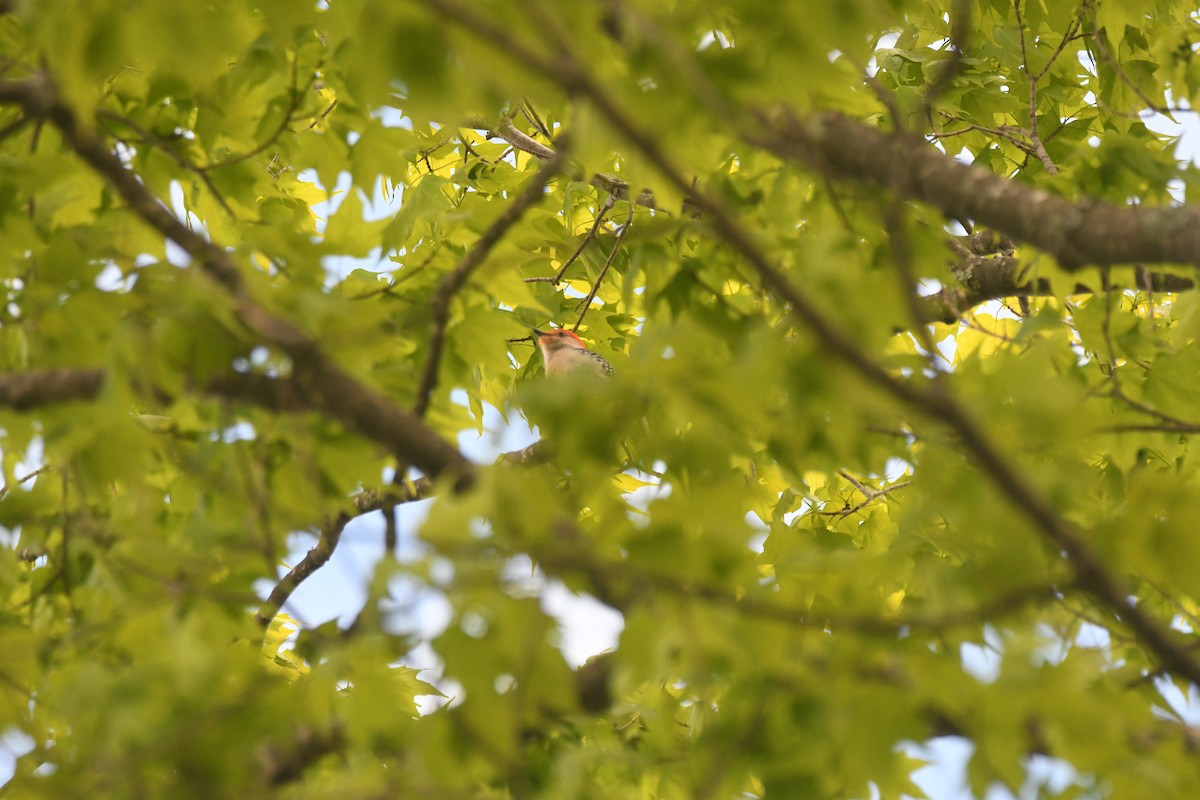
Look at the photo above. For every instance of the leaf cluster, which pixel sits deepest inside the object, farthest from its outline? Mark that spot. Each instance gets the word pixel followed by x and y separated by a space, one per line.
pixel 269 271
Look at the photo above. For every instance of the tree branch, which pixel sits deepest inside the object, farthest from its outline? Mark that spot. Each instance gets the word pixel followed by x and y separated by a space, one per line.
pixel 609 202
pixel 282 764
pixel 324 384
pixel 1090 232
pixel 1035 137
pixel 611 184
pixel 984 276
pixel 274 394
pixel 1002 275
pixel 453 282
pixel 25 390
pixel 331 534
pixel 869 495
pixel 622 585
pixel 517 138
pixel 172 153
pixel 586 303
pixel 295 95
pixel 314 559
pixel 38 388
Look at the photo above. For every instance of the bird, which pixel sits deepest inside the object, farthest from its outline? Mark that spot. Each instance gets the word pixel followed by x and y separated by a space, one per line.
pixel 564 353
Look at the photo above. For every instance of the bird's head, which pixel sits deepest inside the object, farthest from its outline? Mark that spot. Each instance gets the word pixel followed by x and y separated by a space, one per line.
pixel 551 341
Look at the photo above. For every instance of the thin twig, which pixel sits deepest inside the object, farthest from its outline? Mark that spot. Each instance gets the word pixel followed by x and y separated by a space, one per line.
pixel 615 186
pixel 869 495
pixel 1067 38
pixel 23 479
pixel 64 569
pixel 331 533
pixel 1002 132
pixel 621 583
pixel 960 25
pixel 171 153
pixel 681 58
pixel 609 202
pixel 587 301
pixel 718 295
pixel 887 98
pixel 901 249
pixel 317 119
pixel 1039 147
pixel 1164 427
pixel 1118 390
pixel 294 97
pixel 314 559
pixel 528 111
pixel 458 277
pixel 1098 39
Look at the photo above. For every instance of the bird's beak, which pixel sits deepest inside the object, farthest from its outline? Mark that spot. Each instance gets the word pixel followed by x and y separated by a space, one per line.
pixel 536 332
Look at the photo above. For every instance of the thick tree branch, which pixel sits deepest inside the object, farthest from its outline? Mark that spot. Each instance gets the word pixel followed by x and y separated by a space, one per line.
pixel 984 274
pixel 622 585
pixel 39 388
pixel 25 390
pixel 1076 234
pixel 281 764
pixel 539 452
pixel 936 403
pixel 517 138
pixel 1003 275
pixel 274 394
pixel 327 387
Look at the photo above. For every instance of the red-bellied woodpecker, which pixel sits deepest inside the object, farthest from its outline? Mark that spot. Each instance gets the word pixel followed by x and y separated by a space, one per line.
pixel 566 354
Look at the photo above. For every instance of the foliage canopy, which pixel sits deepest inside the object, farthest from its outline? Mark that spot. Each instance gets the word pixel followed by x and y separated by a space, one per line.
pixel 900 297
